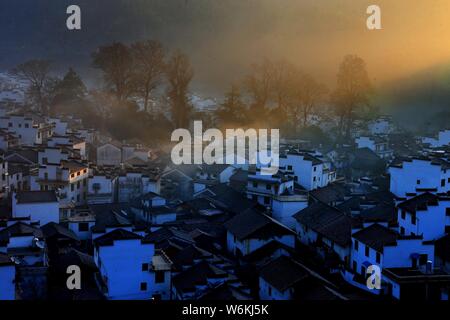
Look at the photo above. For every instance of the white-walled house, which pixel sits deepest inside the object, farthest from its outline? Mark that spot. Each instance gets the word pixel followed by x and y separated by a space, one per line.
pixel 442 139
pixel 40 206
pixel 109 154
pixel 277 192
pixel 307 170
pixel 263 188
pixel 7 278
pixel 251 230
pixel 382 125
pixel 326 229
pixel 68 179
pixel 22 127
pixel 427 215
pixel 377 144
pixel 81 223
pixel 24 243
pixel 385 248
pixel 411 176
pixel 129 267
pixel 135 183
pixel 100 188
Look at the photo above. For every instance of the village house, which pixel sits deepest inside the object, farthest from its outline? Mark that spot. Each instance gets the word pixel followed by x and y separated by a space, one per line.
pixel 251 230
pixel 327 231
pixel 129 267
pixel 383 247
pixel 411 176
pixel 442 139
pixel 101 187
pixel 22 127
pixel 427 215
pixel 307 170
pixel 381 126
pixel 286 279
pixel 40 206
pixel 377 144
pixel 109 154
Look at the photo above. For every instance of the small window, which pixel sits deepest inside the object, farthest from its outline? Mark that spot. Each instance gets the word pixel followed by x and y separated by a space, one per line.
pixel 159 277
pixel 443 183
pixel 83 226
pixel 255 184
pixel 314 179
pixel 143 286
pixel 423 258
pixel 356 245
pixel 10 124
pixel 268 187
pixel 367 251
pixel 378 258
pixel 27 125
pixel 289 168
pixel 145 267
pixel 266 200
pixel 418 181
pixel 315 169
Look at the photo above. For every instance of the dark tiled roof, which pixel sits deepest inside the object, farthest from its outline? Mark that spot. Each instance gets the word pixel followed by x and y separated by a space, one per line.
pixel 118 234
pixel 253 224
pixel 36 197
pixel 420 202
pixel 229 198
pixel 5 260
pixel 332 193
pixel 52 229
pixel 283 273
pixel 19 229
pixel 382 212
pixel 327 221
pixel 110 215
pixel 163 234
pixel 198 274
pixel 376 237
pixel 225 292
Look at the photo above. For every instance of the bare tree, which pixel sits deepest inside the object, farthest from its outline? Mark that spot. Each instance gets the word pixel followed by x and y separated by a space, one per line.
pixel 306 95
pixel 116 62
pixel 232 110
pixel 179 74
pixel 37 73
pixel 352 91
pixel 148 59
pixel 259 84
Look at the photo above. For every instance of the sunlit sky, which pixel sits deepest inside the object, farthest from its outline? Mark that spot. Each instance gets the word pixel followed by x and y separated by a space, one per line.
pixel 223 37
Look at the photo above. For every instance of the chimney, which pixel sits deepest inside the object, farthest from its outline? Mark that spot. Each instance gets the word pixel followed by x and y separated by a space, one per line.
pixel 429 267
